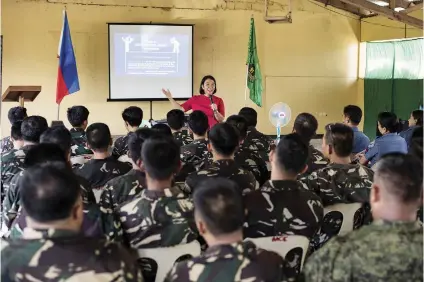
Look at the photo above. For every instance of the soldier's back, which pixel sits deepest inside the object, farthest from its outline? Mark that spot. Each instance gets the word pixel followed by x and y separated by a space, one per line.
pixel 79 143
pixel 182 138
pixel 120 146
pixel 245 180
pixel 6 145
pixel 382 251
pixel 158 219
pixel 60 255
pixel 251 161
pixel 99 171
pixel 237 262
pixel 122 189
pixel 259 142
pixel 316 160
pixel 272 211
pixel 341 183
pixel 196 153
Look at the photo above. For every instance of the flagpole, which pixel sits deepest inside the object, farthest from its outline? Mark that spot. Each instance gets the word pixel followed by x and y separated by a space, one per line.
pixel 58 111
pixel 245 89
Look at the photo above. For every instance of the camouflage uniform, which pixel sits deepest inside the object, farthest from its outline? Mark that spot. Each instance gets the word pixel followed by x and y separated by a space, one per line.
pixel 338 184
pixel 382 251
pixel 12 201
pixel 158 219
pixel 271 210
pixel 316 160
pixel 258 142
pixel 182 138
pixel 122 189
pixel 59 255
pixel 11 164
pixel 6 145
pixel 251 161
pixel 241 261
pixel 98 172
pixel 79 142
pixel 227 169
pixel 120 147
pixel 196 153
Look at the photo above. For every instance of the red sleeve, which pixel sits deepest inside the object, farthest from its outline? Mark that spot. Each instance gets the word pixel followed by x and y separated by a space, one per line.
pixel 187 104
pixel 221 107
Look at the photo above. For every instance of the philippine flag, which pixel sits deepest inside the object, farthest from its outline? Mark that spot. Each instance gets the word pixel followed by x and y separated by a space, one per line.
pixel 67 76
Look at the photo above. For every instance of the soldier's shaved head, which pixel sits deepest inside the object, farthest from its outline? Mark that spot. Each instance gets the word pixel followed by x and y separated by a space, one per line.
pixel 401 176
pixel 219 205
pixel 50 192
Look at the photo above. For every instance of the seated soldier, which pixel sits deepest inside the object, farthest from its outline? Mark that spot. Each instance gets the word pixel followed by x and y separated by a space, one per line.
pixel 352 116
pixel 391 248
pixel 175 120
pixel 255 140
pixel 219 218
pixel 52 244
pixel 415 121
pixel 246 157
pixel 129 186
pixel 102 167
pixel 341 181
pixel 50 152
pixel 15 114
pixel 78 118
pixel 132 116
pixel 305 125
pixel 12 162
pixel 55 146
pixel 162 216
pixel 197 153
pixel 223 143
pixel 284 206
pixel 389 142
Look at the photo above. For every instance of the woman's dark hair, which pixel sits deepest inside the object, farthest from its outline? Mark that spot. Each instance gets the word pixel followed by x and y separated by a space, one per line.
pixel 201 91
pixel 418 115
pixel 389 121
pixel 416 146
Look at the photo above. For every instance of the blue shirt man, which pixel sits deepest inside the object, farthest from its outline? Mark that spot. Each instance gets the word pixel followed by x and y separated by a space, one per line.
pixel 352 116
pixel 388 143
pixel 407 134
pixel 360 141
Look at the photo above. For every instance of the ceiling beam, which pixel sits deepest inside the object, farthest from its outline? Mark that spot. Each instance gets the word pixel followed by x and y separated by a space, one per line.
pixel 413 8
pixel 343 6
pixel 386 12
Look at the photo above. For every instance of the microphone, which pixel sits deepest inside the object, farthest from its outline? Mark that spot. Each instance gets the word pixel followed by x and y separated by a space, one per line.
pixel 210 98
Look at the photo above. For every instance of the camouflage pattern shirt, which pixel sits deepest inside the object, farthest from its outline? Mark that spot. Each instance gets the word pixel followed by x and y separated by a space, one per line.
pixel 196 153
pixel 79 142
pixel 341 183
pixel 241 261
pixel 182 138
pixel 271 210
pixel 158 219
pixel 6 145
pixel 99 171
pixel 224 168
pixel 11 164
pixel 382 251
pixel 316 160
pixel 258 142
pixel 122 189
pixel 252 162
pixel 120 147
pixel 59 255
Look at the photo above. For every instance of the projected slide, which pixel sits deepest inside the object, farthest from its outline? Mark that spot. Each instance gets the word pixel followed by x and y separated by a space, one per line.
pixel 164 55
pixel 146 58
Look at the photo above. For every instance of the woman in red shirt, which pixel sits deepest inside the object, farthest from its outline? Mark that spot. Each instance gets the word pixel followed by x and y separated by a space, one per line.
pixel 215 111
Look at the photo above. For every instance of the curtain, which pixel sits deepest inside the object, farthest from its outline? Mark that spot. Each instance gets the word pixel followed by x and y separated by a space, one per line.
pixel 394 75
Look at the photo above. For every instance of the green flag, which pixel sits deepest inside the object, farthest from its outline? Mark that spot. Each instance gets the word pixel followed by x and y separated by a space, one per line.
pixel 254 77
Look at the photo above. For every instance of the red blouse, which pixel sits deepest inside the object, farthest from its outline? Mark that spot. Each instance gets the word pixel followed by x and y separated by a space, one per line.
pixel 203 103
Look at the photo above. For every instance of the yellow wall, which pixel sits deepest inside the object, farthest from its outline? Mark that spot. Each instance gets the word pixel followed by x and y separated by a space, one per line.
pixel 382 28
pixel 310 64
